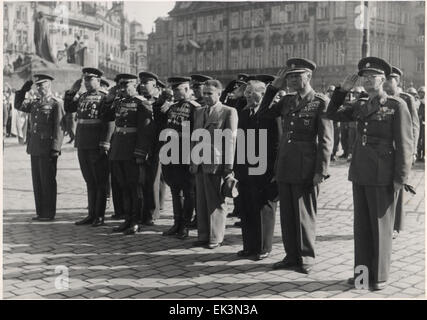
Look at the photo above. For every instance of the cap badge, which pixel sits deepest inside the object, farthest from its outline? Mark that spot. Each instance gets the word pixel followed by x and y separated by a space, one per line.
pixel 368 65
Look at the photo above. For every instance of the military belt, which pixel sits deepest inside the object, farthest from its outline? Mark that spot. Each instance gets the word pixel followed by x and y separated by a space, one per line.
pixel 291 136
pixel 375 140
pixel 88 121
pixel 126 130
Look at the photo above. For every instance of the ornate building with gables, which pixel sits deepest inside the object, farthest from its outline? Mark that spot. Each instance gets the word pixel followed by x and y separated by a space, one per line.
pixel 222 39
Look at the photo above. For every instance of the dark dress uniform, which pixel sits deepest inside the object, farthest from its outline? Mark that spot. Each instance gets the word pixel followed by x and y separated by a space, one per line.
pixel 305 149
pixel 44 146
pixel 381 155
pixel 410 103
pixel 421 141
pixel 177 175
pixel 94 166
pixel 133 138
pixel 258 205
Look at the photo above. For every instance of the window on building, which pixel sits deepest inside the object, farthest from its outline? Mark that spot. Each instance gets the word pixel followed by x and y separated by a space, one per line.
pixel 339 53
pixel 322 57
pixel 219 60
pixel 288 51
pixel 259 55
pixel 302 50
pixel 209 24
pixel 322 10
pixel 258 18
pixel 209 61
pixel 180 28
pixel 420 64
pixel 200 25
pixel 234 57
pixel 200 60
pixel 234 20
pixel 246 19
pixel 246 58
pixel 339 9
pixel 275 15
pixel 288 13
pixel 276 52
pixel 302 14
pixel 190 26
pixel 218 22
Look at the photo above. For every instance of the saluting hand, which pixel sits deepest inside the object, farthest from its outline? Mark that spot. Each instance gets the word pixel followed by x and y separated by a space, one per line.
pixel 280 81
pixel 27 85
pixel 76 85
pixel 349 82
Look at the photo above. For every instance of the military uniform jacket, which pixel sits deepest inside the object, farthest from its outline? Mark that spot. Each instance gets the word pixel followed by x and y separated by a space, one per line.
pixel 89 107
pixel 46 115
pixel 135 130
pixel 410 102
pixel 307 139
pixel 382 152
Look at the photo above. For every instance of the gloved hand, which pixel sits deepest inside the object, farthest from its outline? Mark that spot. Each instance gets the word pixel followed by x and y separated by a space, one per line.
pixel 54 154
pixel 27 85
pixel 76 85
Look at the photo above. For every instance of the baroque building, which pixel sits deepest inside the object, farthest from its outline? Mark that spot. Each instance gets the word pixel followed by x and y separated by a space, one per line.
pixel 222 39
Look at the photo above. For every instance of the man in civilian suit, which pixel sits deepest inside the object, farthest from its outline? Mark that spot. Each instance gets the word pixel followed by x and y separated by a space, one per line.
pixel 211 214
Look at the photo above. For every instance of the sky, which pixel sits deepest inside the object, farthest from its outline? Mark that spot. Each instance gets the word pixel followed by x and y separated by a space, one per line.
pixel 145 12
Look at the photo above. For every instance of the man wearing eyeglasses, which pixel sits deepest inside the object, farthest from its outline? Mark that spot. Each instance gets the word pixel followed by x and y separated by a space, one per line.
pixel 379 168
pixel 44 144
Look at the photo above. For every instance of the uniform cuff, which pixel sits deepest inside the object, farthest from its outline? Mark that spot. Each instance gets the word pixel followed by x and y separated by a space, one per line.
pixel 105 145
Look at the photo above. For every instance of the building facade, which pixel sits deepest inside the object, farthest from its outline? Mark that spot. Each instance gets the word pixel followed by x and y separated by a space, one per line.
pixel 225 38
pixel 138 46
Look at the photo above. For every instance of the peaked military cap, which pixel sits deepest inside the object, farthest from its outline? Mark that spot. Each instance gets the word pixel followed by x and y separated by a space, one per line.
pixel 42 77
pixel 126 77
pixel 266 78
pixel 299 65
pixel 242 77
pixel 199 78
pixel 104 82
pixel 161 84
pixel 175 81
pixel 92 72
pixel 375 64
pixel 412 91
pixel 145 75
pixel 395 72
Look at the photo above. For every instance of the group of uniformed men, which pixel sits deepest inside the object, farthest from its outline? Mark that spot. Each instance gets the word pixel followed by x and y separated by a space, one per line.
pixel 118 131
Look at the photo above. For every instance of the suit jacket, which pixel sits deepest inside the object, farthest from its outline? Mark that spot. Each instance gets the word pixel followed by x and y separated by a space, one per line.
pixel 382 152
pixel 410 102
pixel 307 140
pixel 257 123
pixel 221 117
pixel 46 116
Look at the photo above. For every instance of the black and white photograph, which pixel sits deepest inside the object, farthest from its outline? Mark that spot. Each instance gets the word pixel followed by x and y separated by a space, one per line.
pixel 213 150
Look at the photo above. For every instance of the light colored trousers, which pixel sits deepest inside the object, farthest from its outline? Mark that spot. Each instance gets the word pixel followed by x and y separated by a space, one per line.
pixel 211 208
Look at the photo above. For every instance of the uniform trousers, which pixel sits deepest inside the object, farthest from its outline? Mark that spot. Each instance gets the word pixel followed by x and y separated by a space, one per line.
pixel 258 216
pixel 399 218
pixel 181 183
pixel 120 198
pixel 211 208
pixel 374 211
pixel 43 172
pixel 298 209
pixel 95 172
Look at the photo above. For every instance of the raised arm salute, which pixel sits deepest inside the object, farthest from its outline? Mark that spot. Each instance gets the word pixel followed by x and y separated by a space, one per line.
pixel 380 165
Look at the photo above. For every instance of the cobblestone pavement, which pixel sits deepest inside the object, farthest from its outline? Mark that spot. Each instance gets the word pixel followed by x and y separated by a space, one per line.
pixel 106 265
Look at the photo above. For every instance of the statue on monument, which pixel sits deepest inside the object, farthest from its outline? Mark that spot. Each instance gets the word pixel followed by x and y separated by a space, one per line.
pixel 41 38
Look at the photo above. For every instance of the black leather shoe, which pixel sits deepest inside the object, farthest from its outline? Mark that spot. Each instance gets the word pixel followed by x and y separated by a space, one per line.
pixel 262 256
pixel 148 223
pixel 306 268
pixel 117 217
pixel 122 227
pixel 183 234
pixel 172 231
pixel 376 286
pixel 244 253
pixel 200 243
pixel 350 281
pixel 98 222
pixel 238 224
pixel 45 219
pixel 35 218
pixel 193 224
pixel 87 220
pixel 131 230
pixel 214 245
pixel 285 264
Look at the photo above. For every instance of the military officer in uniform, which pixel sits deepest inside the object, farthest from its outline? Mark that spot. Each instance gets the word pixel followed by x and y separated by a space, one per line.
pixel 392 89
pixel 197 81
pixel 177 175
pixel 382 158
pixel 92 150
pixel 131 148
pixel 303 159
pixel 44 144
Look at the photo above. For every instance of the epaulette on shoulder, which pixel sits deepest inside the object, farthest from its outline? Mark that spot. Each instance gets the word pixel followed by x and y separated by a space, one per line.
pixel 194 103
pixel 321 96
pixel 140 98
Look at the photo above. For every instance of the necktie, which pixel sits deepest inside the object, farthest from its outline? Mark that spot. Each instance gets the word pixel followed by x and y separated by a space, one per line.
pixel 252 112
